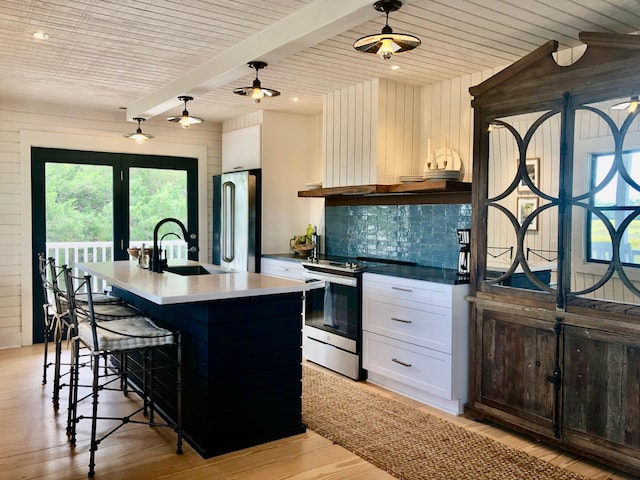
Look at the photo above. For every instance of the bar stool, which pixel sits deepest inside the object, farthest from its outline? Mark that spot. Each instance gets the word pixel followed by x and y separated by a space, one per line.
pixel 48 311
pixel 132 344
pixel 57 324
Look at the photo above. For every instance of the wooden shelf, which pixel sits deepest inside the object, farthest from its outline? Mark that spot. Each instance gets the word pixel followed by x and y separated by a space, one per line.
pixel 431 186
pixel 428 191
pixel 424 187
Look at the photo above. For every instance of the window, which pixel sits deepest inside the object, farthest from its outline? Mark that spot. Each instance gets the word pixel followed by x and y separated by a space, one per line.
pixel 616 199
pixel 90 206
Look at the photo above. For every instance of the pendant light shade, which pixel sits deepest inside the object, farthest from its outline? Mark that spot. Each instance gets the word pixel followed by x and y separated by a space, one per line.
pixel 139 137
pixel 256 92
pixel 185 120
pixel 631 105
pixel 386 43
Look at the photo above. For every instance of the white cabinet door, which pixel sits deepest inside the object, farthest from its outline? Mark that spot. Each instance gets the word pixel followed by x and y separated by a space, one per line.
pixel 242 149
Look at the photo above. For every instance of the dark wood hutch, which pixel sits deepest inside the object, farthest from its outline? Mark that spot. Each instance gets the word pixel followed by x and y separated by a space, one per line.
pixel 558 356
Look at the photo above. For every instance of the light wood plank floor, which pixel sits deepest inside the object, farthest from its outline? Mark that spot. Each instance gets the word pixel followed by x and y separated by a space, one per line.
pixel 33 443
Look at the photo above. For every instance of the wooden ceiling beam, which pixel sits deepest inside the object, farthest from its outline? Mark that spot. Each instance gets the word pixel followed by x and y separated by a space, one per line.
pixel 312 24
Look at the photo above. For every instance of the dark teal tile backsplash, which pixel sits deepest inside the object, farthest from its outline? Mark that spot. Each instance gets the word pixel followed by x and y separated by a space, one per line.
pixel 425 234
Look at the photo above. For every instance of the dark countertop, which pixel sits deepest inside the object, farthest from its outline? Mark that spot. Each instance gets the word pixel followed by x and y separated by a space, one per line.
pixel 447 276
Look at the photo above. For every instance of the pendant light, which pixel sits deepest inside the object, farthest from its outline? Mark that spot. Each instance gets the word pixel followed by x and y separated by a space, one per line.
pixel 185 120
pixel 387 43
pixel 256 92
pixel 631 105
pixel 139 137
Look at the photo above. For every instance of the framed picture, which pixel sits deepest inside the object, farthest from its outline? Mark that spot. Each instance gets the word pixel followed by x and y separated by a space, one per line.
pixel 533 167
pixel 525 206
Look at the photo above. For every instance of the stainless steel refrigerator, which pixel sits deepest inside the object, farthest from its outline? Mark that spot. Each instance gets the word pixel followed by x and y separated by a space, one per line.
pixel 237 220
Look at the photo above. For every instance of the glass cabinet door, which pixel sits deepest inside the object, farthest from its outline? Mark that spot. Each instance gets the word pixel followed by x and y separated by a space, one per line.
pixel 522 213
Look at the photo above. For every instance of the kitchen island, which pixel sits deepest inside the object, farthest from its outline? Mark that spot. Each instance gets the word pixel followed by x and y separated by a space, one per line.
pixel 241 336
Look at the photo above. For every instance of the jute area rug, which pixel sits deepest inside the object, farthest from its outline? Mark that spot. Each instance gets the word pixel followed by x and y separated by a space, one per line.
pixel 407 443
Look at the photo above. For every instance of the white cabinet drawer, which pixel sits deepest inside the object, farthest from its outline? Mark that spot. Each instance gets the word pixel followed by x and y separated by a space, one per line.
pixel 423 369
pixel 406 289
pixel 420 324
pixel 282 268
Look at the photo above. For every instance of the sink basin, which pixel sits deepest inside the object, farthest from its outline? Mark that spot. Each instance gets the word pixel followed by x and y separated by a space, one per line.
pixel 186 270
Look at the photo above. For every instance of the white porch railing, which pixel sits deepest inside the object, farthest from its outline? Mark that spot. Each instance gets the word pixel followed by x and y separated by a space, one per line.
pixel 72 253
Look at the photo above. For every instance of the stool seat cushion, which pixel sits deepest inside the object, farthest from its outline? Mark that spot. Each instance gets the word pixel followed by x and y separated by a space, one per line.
pixel 125 334
pixel 97 298
pixel 107 311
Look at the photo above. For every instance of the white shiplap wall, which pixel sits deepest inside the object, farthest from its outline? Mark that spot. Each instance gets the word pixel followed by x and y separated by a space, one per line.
pixel 447 116
pixel 371 133
pixel 24 124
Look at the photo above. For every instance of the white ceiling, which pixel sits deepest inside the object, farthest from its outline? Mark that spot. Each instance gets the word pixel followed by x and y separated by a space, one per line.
pixel 142 54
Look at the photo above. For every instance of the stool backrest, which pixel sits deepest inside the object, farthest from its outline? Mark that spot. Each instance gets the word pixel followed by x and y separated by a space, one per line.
pixel 53 285
pixel 80 311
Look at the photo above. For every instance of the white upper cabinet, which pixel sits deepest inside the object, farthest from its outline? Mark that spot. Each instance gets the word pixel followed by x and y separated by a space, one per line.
pixel 372 133
pixel 242 149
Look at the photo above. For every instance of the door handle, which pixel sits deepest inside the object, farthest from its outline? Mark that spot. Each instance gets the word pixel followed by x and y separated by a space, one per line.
pixel 400 362
pixel 402 289
pixel 400 320
pixel 228 221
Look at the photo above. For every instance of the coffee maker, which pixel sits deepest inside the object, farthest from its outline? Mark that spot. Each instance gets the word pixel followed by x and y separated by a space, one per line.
pixel 464 239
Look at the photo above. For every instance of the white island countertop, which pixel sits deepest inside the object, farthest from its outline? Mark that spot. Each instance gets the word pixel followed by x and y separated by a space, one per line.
pixel 170 288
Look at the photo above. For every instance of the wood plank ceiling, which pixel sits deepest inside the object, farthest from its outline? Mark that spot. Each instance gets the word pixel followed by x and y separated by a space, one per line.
pixel 108 54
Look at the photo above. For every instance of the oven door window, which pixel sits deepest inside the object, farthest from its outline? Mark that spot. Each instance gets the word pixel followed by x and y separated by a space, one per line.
pixel 333 308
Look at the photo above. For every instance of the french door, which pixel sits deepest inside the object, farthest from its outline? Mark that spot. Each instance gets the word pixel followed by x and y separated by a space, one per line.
pixel 91 206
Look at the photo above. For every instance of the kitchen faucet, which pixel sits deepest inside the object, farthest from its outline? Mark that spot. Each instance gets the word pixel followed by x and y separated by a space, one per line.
pixel 156 262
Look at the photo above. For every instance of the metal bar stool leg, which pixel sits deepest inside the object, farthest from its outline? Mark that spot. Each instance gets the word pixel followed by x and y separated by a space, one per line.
pixel 46 333
pixel 94 418
pixel 74 376
pixel 179 391
pixel 57 341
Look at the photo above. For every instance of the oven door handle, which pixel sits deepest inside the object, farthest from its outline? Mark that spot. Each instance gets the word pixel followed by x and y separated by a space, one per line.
pixel 314 284
pixel 328 277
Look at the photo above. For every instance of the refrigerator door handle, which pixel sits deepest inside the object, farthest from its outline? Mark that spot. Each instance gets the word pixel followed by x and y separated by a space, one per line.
pixel 228 221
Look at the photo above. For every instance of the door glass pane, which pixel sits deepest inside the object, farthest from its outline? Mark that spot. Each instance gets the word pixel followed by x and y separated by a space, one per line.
pixel 79 213
pixel 522 183
pixel 155 194
pixel 606 204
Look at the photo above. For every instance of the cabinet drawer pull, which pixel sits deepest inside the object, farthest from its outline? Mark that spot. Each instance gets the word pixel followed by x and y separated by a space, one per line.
pixel 401 362
pixel 402 289
pixel 400 320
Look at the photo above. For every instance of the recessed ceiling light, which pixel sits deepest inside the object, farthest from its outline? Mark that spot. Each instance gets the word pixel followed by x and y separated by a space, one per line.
pixel 295 99
pixel 395 67
pixel 40 35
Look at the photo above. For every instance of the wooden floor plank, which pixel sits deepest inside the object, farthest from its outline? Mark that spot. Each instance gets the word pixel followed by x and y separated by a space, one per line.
pixel 33 443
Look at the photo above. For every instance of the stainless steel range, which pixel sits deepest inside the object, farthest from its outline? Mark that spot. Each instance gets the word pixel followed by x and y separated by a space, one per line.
pixel 332 335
